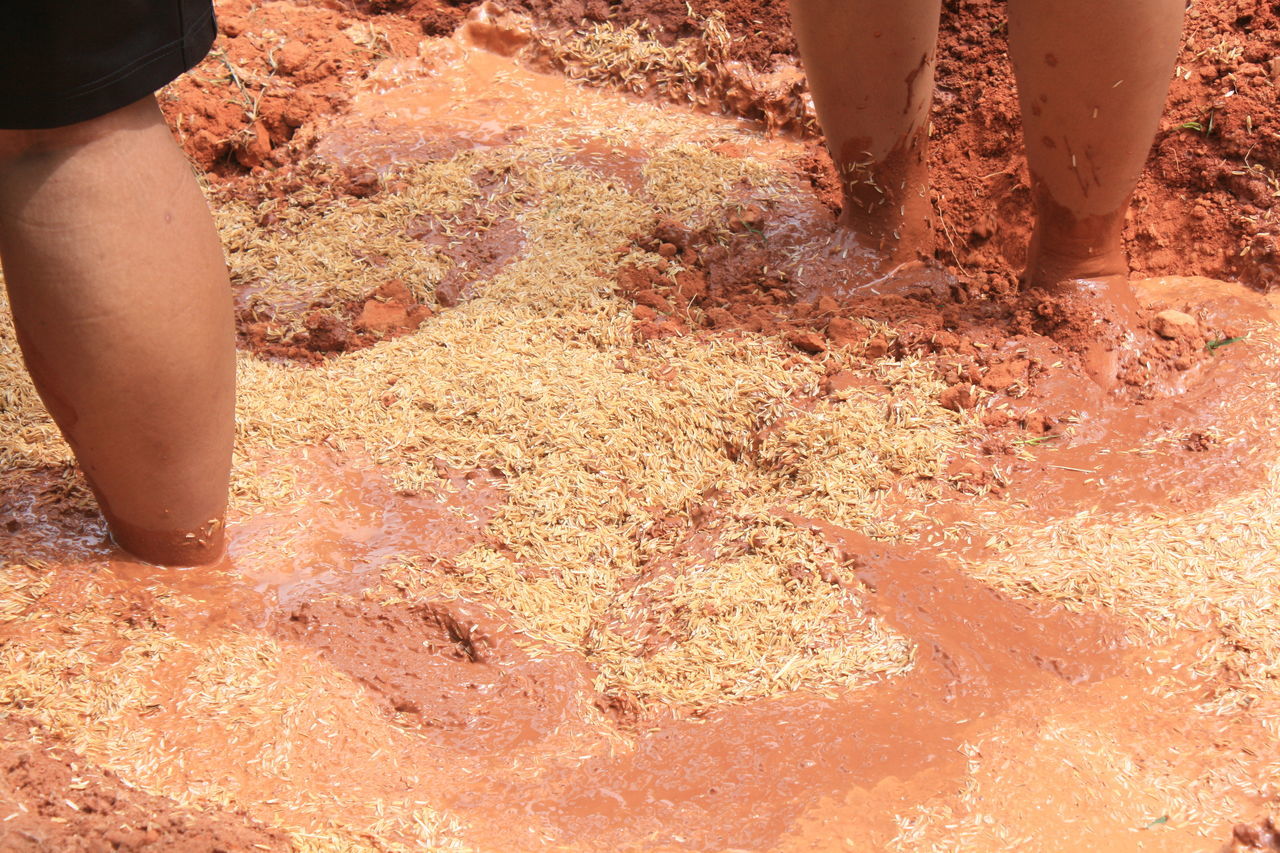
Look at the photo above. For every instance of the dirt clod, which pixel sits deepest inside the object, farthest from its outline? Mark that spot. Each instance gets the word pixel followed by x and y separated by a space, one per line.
pixel 1171 325
pixel 809 342
pixel 957 398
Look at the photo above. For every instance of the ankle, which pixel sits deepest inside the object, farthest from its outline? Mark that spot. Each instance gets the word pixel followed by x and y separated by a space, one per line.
pixel 1085 250
pixel 198 547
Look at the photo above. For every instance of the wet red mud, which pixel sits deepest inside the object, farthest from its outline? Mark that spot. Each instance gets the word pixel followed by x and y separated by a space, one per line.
pixel 1019 358
pixel 738 777
pixel 1262 836
pixel 40 509
pixel 53 799
pixel 353 522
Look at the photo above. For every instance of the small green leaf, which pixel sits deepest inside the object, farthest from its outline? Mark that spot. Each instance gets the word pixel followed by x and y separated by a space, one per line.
pixel 1040 439
pixel 1164 818
pixel 1223 342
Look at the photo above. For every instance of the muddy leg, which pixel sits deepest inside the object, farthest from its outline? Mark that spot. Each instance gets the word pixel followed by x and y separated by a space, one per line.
pixel 870 68
pixel 120 297
pixel 1092 79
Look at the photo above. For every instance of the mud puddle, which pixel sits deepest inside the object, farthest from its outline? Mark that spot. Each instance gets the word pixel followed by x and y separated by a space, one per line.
pixel 349 521
pixel 471 92
pixel 459 94
pixel 344 523
pixel 1210 435
pixel 456 677
pixel 737 777
pixel 517 723
pixel 1181 425
pixel 48 513
pixel 447 670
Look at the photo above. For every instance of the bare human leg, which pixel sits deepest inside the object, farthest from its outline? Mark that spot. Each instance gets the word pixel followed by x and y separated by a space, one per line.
pixel 1092 80
pixel 121 301
pixel 870 68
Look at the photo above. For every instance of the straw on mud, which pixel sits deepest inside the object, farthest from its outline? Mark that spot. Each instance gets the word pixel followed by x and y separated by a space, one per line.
pixel 694 70
pixel 1127 764
pixel 632 58
pixel 1216 567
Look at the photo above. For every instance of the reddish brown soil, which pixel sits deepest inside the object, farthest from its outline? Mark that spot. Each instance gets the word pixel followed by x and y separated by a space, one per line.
pixel 388 312
pixel 52 799
pixel 1261 836
pixel 274 67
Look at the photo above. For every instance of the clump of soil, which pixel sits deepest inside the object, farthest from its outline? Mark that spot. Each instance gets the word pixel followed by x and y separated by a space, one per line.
pixel 388 312
pixel 986 337
pixel 476 256
pixel 55 800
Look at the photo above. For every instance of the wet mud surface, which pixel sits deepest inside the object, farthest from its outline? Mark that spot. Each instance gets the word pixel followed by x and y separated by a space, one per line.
pixel 740 777
pixel 517 737
pixel 354 522
pixel 443 668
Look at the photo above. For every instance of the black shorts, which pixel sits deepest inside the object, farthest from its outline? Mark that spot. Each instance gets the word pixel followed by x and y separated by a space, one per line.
pixel 64 61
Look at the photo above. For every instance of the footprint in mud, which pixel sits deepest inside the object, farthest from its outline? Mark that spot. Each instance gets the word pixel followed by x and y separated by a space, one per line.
pixel 441 667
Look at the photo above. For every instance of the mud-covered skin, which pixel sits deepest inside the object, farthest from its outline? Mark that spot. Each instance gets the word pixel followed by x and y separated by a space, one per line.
pixel 1092 81
pixel 870 70
pixel 1090 106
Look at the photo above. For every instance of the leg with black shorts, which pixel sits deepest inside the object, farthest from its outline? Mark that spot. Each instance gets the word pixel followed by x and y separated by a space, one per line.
pixel 116 277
